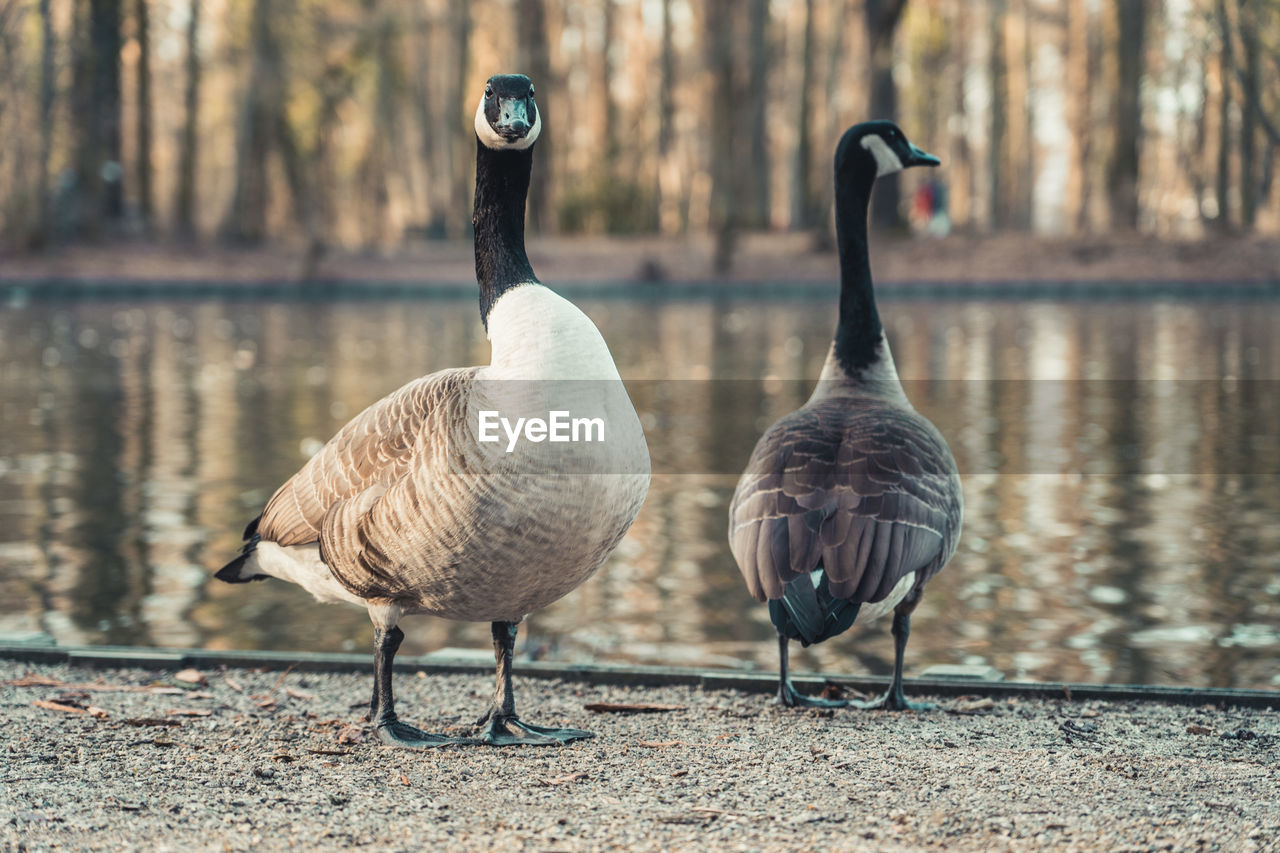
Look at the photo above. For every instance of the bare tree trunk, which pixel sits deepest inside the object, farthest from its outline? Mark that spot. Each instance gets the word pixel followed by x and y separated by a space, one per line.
pixel 803 214
pixel 379 155
pixel 1022 201
pixel 143 163
pixel 1222 182
pixel 838 47
pixel 185 203
pixel 1122 170
pixel 1199 142
pixel 246 221
pixel 997 141
pixel 534 57
pixel 105 16
pixel 719 32
pixel 758 202
pixel 447 135
pixel 43 226
pixel 608 107
pixel 1080 100
pixel 462 137
pixel 882 17
pixel 961 169
pixel 666 215
pixel 1251 72
pixel 97 111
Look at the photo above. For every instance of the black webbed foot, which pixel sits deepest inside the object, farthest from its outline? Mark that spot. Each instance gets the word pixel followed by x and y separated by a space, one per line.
pixel 790 698
pixel 892 701
pixel 404 736
pixel 504 730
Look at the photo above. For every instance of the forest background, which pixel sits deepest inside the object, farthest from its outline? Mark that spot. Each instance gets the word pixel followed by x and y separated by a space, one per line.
pixel 344 127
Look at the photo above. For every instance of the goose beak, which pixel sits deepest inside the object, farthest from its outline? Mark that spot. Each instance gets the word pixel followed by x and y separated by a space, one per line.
pixel 513 120
pixel 921 158
pixel 517 129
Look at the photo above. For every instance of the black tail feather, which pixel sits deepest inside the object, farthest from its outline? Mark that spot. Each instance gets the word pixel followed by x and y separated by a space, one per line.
pixel 808 612
pixel 230 573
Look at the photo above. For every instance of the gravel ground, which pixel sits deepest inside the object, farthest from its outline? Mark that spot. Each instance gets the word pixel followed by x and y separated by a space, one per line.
pixel 268 761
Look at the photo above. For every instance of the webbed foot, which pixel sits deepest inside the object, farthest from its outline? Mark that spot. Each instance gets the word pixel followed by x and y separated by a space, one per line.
pixel 892 701
pixel 512 731
pixel 404 736
pixel 788 696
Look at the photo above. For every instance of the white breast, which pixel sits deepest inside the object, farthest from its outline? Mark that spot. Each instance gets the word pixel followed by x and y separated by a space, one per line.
pixel 537 334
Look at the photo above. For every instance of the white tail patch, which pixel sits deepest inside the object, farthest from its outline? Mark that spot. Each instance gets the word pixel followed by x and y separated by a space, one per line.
pixel 887 162
pixel 300 564
pixel 869 612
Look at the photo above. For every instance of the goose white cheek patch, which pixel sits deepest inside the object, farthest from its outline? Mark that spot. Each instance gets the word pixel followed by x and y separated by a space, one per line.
pixel 887 162
pixel 492 139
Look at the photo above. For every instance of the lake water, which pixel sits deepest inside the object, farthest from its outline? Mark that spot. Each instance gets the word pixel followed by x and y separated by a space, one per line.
pixel 1121 466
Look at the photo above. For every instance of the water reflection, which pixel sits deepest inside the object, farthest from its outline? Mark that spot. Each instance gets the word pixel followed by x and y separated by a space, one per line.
pixel 1120 466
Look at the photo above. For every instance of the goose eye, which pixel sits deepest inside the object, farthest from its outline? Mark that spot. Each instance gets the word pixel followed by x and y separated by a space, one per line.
pixel 531 91
pixel 488 90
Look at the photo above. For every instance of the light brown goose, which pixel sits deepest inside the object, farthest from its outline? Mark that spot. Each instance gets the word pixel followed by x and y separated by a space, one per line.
pixel 852 503
pixel 418 506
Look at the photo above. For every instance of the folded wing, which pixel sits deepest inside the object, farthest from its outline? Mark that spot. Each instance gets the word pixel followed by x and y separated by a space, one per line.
pixel 868 491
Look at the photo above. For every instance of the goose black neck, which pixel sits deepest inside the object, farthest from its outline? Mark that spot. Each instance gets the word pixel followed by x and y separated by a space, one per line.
pixel 502 185
pixel 858 334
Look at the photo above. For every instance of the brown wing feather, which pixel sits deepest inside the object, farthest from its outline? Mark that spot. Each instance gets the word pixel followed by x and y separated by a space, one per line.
pixel 868 489
pixel 376 449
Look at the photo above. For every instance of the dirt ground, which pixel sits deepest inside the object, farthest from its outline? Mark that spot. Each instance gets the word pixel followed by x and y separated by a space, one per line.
pixel 239 760
pixel 759 257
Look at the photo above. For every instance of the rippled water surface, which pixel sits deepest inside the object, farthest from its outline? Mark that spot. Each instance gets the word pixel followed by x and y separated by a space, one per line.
pixel 1121 465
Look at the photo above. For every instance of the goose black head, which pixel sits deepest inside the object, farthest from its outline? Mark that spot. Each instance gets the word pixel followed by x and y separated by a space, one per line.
pixel 875 149
pixel 508 118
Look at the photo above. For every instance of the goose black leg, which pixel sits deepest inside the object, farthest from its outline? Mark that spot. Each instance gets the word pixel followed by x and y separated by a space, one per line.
pixel 505 728
pixel 787 694
pixel 895 699
pixel 382 709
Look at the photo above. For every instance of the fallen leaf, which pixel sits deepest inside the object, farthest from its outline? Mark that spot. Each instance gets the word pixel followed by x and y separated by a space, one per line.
pixel 679 773
pixel 151 721
pixel 233 684
pixel 300 694
pixel 660 744
pixel 974 706
pixel 31 679
pixel 631 707
pixel 1195 729
pixel 709 810
pixel 404 780
pixel 564 780
pixel 192 676
pixel 71 708
pixel 165 691
pixel 329 751
pixel 282 756
pixel 350 734
pixel 189 712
